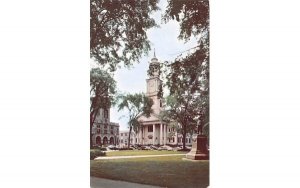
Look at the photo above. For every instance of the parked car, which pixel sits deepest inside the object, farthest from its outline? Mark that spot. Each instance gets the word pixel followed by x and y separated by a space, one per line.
pixel 131 148
pixel 112 147
pixel 145 148
pixel 153 147
pixel 168 148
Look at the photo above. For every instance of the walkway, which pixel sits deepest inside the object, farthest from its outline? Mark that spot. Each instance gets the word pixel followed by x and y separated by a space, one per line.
pixel 106 183
pixel 135 156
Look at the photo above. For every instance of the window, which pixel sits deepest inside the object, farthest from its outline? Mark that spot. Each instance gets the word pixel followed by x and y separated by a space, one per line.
pixel 169 130
pixel 121 134
pixel 111 127
pixel 98 125
pixel 98 131
pixel 111 132
pixel 98 140
pixel 150 128
pixel 125 134
pixel 105 113
pixel 173 139
pixel 105 126
pixel 122 141
pixel 105 131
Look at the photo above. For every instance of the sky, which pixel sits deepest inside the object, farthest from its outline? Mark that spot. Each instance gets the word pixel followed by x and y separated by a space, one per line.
pixel 167 48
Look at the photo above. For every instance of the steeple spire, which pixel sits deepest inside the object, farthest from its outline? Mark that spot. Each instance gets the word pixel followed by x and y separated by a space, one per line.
pixel 154 59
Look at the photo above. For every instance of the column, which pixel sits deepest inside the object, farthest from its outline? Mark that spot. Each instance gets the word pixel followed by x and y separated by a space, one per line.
pixel 133 139
pixel 161 135
pixel 176 138
pixel 165 134
pixel 153 134
pixel 140 134
pixel 143 135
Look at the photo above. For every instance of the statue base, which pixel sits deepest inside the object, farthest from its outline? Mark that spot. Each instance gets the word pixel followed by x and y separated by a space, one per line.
pixel 199 149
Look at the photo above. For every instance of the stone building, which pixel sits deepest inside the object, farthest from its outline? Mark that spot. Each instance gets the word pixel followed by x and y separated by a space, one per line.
pixel 105 132
pixel 153 131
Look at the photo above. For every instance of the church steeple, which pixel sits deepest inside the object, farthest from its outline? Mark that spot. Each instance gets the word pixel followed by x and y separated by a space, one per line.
pixel 154 59
pixel 154 83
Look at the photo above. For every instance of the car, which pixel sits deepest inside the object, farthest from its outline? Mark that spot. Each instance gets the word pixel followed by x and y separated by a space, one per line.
pixel 131 148
pixel 168 148
pixel 112 147
pixel 145 148
pixel 153 147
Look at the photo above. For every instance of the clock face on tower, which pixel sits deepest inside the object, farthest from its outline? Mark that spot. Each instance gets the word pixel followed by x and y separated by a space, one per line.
pixel 151 86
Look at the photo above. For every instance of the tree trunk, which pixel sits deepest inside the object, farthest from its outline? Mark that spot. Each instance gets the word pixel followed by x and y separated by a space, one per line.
pixel 92 120
pixel 184 139
pixel 91 127
pixel 130 129
pixel 184 136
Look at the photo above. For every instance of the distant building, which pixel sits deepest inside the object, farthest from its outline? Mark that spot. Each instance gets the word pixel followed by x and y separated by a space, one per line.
pixel 123 138
pixel 105 132
pixel 153 131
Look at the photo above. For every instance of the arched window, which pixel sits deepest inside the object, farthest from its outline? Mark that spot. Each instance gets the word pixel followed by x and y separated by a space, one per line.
pixel 98 140
pixel 111 140
pixel 105 141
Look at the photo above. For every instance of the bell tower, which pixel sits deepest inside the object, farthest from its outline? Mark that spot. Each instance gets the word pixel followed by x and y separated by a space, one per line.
pixel 154 84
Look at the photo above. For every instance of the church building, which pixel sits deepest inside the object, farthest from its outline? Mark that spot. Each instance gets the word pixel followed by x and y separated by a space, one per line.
pixel 153 131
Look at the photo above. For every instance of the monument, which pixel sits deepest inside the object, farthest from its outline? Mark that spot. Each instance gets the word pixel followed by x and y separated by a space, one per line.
pixel 199 149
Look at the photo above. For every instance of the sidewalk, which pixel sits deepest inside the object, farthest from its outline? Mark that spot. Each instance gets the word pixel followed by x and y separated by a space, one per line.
pixel 137 156
pixel 106 183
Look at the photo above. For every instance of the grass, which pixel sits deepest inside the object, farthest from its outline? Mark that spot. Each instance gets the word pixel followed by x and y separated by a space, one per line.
pixel 169 171
pixel 141 152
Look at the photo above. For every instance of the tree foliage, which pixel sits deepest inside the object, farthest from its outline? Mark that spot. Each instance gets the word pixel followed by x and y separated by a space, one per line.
pixel 118 30
pixel 188 75
pixel 136 105
pixel 102 91
pixel 179 115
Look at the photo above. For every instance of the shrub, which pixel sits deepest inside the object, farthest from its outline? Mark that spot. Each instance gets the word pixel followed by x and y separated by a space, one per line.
pixel 96 153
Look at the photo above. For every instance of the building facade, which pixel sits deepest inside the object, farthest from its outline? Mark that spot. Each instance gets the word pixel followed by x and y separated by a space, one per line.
pixel 105 132
pixel 123 139
pixel 153 131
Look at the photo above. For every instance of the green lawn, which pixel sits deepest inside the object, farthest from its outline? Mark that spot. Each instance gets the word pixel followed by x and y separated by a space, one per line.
pixel 161 171
pixel 141 152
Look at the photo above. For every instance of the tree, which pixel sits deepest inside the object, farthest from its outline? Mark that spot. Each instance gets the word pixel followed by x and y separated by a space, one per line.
pixel 102 90
pixel 179 111
pixel 136 105
pixel 188 75
pixel 118 30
